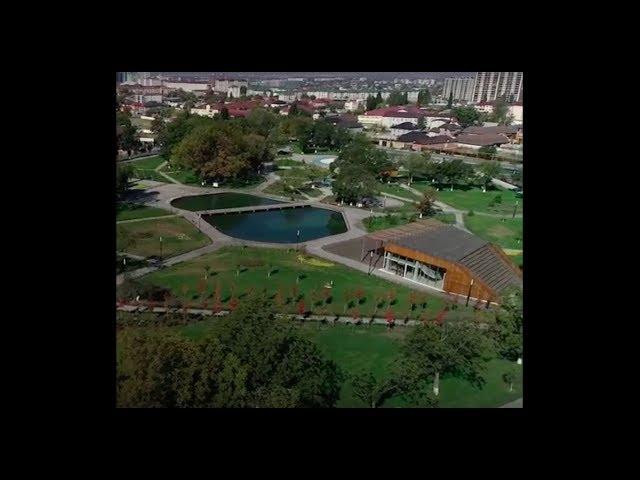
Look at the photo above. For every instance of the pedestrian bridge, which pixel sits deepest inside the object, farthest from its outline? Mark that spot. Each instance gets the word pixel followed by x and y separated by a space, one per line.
pixel 256 208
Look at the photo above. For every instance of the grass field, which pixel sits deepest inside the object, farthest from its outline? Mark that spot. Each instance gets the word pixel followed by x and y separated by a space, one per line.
pixel 131 211
pixel 474 199
pixel 373 224
pixel 287 162
pixel 178 236
pixel 374 348
pixel 503 233
pixel 144 168
pixel 255 263
pixel 277 188
pixel 449 218
pixel 394 189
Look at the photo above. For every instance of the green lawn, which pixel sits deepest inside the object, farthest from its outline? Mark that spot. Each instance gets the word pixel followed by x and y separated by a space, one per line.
pixel 178 236
pixel 277 188
pixel 394 189
pixel 374 348
pixel 147 163
pixel 445 217
pixel 493 229
pixel 289 264
pixel 474 199
pixel 144 168
pixel 130 211
pixel 288 162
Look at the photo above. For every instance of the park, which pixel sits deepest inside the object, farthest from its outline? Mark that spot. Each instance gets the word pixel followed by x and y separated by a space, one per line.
pixel 292 232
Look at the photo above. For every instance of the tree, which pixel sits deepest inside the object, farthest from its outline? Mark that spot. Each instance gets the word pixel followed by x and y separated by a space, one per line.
pixel 506 331
pixel 243 90
pixel 126 133
pixel 379 100
pixel 396 98
pixel 422 123
pixel 277 357
pixel 427 202
pixel 371 102
pixel 488 171
pixel 424 97
pixel 488 150
pixel 224 113
pixel 416 164
pixel 500 111
pixel 467 116
pixel 509 376
pixel 450 101
pixel 371 391
pixel 123 176
pixel 458 348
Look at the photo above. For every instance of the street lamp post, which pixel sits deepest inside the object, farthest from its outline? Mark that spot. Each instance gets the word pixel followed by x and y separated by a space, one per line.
pixel 298 240
pixel 515 207
pixel 160 248
pixel 469 294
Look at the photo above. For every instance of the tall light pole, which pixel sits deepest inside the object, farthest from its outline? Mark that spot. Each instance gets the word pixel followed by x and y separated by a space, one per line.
pixel 515 207
pixel 160 248
pixel 469 294
pixel 297 239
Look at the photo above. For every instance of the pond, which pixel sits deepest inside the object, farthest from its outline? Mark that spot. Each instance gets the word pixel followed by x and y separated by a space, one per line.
pixel 214 201
pixel 280 226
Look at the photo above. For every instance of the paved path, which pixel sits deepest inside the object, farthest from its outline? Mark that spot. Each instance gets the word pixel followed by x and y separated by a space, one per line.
pixel 148 218
pixel 341 318
pixel 272 178
pixel 515 404
pixel 171 179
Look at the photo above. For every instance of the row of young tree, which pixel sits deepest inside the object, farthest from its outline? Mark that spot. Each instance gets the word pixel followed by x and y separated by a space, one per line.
pixel 252 358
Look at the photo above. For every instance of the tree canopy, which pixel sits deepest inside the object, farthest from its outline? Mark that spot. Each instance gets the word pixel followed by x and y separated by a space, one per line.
pixel 424 97
pixel 250 359
pixel 458 348
pixel 467 116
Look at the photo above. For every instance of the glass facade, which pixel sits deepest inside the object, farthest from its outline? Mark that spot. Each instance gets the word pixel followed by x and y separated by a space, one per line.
pixel 414 270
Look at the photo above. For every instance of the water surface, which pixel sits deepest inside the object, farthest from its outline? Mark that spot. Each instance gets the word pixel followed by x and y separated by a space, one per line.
pixel 214 201
pixel 280 226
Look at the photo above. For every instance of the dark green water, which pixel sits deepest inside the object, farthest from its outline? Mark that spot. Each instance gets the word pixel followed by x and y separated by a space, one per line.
pixel 214 201
pixel 280 226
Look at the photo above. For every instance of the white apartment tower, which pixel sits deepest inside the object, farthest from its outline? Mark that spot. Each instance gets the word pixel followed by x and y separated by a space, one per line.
pixel 462 88
pixel 491 85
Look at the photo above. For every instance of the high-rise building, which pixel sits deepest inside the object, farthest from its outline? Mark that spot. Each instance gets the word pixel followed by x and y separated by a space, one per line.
pixel 462 88
pixel 491 85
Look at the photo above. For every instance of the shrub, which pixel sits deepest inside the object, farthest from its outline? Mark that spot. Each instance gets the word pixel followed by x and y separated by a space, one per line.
pixel 130 289
pixel 471 214
pixel 497 199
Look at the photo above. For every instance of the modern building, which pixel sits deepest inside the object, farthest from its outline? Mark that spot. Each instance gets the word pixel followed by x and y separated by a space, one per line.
pixel 490 85
pixel 462 88
pixel 445 258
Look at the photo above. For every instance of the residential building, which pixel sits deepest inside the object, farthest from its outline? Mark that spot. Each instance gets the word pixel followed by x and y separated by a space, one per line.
pixel 477 141
pixel 444 258
pixel 352 105
pixel 187 86
pixel 223 85
pixel 491 85
pixel 461 87
pixel 388 116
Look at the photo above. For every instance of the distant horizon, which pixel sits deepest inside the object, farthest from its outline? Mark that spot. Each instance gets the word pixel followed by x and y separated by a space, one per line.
pixel 369 75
